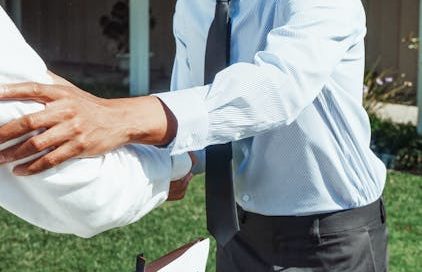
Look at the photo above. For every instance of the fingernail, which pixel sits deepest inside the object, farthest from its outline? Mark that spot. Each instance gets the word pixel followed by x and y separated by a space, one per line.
pixel 19 172
pixel 2 159
pixel 2 89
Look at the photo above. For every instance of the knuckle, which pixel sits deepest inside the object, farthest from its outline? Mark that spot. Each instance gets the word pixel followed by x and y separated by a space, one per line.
pixel 29 121
pixel 49 161
pixel 77 127
pixel 69 112
pixel 37 89
pixel 37 144
pixel 80 145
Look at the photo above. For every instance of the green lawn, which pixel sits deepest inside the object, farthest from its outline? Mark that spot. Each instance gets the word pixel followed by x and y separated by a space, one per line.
pixel 25 248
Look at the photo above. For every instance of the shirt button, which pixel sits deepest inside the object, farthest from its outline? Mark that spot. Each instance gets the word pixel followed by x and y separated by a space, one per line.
pixel 246 198
pixel 238 135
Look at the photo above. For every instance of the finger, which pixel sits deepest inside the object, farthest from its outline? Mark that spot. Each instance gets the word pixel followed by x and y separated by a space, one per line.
pixel 48 161
pixel 32 91
pixel 31 122
pixel 51 138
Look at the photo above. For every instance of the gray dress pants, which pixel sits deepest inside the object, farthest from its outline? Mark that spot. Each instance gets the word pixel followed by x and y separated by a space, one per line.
pixel 350 240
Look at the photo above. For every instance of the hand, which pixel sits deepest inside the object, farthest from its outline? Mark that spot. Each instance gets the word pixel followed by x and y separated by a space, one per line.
pixel 77 124
pixel 179 188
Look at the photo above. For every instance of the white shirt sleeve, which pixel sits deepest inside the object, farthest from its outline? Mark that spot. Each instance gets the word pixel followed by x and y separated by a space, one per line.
pixel 83 196
pixel 247 99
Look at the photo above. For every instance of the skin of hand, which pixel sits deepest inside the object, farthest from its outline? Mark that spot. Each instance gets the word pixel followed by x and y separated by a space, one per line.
pixel 76 124
pixel 179 188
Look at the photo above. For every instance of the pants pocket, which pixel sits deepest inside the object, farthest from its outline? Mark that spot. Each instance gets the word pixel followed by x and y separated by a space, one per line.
pixel 379 239
pixel 347 251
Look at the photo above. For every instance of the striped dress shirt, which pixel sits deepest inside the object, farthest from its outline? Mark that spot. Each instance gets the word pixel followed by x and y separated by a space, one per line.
pixel 291 103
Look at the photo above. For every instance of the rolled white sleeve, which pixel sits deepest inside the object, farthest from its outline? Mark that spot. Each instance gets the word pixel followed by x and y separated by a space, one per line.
pixel 247 99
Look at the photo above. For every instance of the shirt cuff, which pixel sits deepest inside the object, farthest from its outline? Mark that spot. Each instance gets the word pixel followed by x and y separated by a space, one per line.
pixel 190 110
pixel 181 166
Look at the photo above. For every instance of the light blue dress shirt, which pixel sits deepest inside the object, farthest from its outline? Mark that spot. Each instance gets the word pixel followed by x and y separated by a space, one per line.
pixel 291 102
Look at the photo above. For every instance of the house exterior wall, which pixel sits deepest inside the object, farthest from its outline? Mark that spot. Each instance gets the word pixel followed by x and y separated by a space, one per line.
pixel 389 21
pixel 68 31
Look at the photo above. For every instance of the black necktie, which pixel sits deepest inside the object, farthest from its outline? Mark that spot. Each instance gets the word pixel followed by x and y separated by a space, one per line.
pixel 222 220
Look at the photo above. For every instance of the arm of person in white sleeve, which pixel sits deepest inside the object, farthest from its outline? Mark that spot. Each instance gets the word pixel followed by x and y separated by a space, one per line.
pixel 83 196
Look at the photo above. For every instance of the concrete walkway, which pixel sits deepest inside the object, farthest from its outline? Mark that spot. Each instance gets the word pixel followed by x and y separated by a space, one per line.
pixel 397 113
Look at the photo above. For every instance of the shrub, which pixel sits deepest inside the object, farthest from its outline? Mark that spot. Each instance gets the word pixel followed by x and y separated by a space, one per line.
pixel 400 141
pixel 409 158
pixel 116 26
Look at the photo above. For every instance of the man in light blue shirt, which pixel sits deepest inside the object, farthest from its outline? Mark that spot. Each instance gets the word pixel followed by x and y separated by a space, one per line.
pixel 296 85
pixel 306 181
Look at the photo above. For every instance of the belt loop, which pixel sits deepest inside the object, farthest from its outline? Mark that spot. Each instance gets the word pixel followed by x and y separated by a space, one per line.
pixel 315 233
pixel 382 211
pixel 241 214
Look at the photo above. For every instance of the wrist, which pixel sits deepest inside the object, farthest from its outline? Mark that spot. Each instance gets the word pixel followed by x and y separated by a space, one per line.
pixel 145 120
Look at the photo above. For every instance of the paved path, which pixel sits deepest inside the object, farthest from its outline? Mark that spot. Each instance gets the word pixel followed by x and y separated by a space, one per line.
pixel 398 113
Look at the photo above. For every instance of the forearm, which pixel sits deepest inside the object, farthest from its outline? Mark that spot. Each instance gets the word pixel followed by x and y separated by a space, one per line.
pixel 145 120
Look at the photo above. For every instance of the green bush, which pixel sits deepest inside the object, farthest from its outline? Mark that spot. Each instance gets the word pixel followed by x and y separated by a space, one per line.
pixel 399 141
pixel 409 158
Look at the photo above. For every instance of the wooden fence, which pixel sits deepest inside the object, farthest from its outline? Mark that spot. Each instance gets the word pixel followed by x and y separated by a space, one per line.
pixel 68 30
pixel 389 21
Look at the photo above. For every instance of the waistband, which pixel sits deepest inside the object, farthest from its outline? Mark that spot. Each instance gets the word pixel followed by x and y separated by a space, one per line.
pixel 326 223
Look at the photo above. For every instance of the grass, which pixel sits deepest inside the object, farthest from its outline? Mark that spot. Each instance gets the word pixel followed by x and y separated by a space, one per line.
pixel 26 248
pixel 403 197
